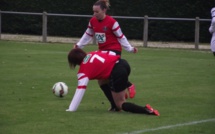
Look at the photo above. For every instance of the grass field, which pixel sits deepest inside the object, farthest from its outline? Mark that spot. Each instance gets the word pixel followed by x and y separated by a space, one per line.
pixel 179 83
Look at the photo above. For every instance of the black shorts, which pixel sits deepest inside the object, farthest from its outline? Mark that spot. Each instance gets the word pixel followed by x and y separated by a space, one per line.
pixel 119 76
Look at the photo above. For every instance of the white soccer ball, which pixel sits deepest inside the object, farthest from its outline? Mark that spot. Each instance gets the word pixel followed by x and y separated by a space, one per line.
pixel 60 89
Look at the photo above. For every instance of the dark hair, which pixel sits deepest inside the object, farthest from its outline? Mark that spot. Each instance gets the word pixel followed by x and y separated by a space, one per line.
pixel 75 57
pixel 104 4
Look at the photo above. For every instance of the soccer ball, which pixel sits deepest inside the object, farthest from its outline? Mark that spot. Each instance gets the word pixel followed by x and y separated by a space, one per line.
pixel 60 89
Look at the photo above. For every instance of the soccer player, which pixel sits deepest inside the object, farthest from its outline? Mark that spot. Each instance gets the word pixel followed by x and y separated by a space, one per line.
pixel 212 30
pixel 110 39
pixel 97 65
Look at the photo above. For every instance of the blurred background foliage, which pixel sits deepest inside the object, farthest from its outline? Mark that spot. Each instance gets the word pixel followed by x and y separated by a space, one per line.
pixel 159 30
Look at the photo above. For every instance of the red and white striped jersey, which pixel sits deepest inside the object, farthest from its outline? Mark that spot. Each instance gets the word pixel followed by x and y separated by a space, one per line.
pixel 96 65
pixel 104 33
pixel 108 35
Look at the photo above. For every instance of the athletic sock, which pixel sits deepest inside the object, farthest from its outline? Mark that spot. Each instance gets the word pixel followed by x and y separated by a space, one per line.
pixel 214 53
pixel 133 108
pixel 106 89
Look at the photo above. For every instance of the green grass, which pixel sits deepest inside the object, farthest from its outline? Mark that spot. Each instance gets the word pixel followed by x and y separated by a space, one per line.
pixel 179 83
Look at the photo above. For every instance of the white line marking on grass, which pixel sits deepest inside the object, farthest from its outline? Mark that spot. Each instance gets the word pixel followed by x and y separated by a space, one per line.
pixel 170 126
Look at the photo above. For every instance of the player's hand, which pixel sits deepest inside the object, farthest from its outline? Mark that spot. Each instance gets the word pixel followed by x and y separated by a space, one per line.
pixel 135 50
pixel 68 110
pixel 75 46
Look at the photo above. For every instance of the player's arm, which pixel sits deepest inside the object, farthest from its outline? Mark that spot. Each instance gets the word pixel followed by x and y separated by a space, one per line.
pixel 86 38
pixel 79 93
pixel 212 27
pixel 122 39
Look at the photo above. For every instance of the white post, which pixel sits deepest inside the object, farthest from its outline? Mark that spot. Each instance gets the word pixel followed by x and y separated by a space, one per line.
pixel 44 30
pixel 197 33
pixel 145 31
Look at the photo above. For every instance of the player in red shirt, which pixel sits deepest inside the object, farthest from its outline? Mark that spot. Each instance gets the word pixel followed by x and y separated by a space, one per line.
pixel 97 65
pixel 110 39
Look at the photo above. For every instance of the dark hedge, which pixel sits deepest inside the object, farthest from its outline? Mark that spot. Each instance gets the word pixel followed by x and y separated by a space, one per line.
pixel 133 29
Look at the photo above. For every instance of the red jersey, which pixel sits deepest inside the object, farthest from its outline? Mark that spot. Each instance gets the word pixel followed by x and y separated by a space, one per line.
pixel 108 35
pixel 104 33
pixel 97 65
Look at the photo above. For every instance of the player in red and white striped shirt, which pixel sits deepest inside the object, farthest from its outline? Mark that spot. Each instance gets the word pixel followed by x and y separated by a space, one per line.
pixel 97 65
pixel 110 38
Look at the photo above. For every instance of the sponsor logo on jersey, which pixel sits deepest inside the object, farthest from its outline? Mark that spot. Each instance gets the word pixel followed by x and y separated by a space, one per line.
pixel 105 28
pixel 100 37
pixel 86 58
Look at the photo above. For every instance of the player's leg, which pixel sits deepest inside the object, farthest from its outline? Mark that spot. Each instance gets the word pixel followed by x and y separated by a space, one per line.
pixel 130 86
pixel 213 44
pixel 118 82
pixel 106 90
pixel 119 98
pixel 121 103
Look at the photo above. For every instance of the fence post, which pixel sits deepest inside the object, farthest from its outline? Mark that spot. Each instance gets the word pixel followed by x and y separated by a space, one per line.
pixel 197 33
pixel 0 24
pixel 145 31
pixel 44 27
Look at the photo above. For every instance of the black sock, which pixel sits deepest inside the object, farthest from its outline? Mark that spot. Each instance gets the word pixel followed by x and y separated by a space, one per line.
pixel 133 108
pixel 106 89
pixel 214 53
